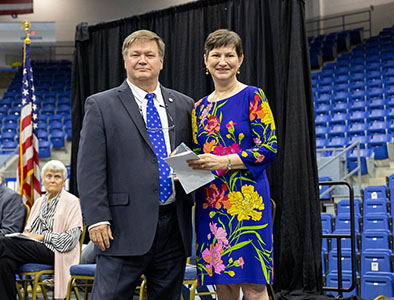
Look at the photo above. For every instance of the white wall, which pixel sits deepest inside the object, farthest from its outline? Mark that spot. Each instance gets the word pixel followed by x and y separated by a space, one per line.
pixel 68 13
pixel 321 8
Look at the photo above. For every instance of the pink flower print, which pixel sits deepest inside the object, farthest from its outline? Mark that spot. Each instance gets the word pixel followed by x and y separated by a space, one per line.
pixel 234 148
pixel 260 158
pixel 221 151
pixel 204 113
pixel 209 236
pixel 213 125
pixel 213 257
pixel 257 141
pixel 219 233
pixel 241 262
pixel 230 126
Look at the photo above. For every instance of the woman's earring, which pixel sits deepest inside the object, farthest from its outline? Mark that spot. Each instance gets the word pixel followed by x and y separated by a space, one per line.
pixel 238 72
pixel 206 71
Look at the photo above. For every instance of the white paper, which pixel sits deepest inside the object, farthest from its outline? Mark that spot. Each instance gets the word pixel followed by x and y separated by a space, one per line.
pixel 21 236
pixel 189 178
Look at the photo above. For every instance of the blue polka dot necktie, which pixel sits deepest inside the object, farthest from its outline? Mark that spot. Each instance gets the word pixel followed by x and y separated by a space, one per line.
pixel 156 135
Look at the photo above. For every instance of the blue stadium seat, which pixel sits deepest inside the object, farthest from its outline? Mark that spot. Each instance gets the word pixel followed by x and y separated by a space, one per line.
pixel 343 206
pixel 377 103
pixel 358 116
pixel 374 221
pixel 345 242
pixel 9 147
pixel 323 109
pixel 45 148
pixel 342 222
pixel 336 142
pixel 346 259
pixel 332 281
pixel 7 136
pixel 56 125
pixel 340 107
pixel 364 155
pixel 374 284
pixel 362 139
pixel 58 139
pixel 375 261
pixel 378 143
pixel 339 118
pixel 375 240
pixel 377 115
pixel 375 192
pixel 341 87
pixel 63 109
pixel 321 142
pixel 48 109
pixel 342 97
pixel 326 221
pixel 359 95
pixel 10 127
pixel 357 129
pixel 377 127
pixel 322 120
pixel 42 135
pixel 376 83
pixel 337 130
pixel 321 131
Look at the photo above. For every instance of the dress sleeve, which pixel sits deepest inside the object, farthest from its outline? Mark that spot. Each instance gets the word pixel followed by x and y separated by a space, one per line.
pixel 262 124
pixel 63 241
pixel 195 113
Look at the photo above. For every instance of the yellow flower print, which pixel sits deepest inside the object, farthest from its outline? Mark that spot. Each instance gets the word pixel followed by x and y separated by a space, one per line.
pixel 245 204
pixel 267 117
pixel 194 126
pixel 244 154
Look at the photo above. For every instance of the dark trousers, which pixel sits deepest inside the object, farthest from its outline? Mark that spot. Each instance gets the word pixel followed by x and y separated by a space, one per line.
pixel 164 267
pixel 15 252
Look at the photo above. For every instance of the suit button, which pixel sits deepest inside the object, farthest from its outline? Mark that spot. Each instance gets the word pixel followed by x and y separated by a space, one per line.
pixel 155 190
pixel 154 160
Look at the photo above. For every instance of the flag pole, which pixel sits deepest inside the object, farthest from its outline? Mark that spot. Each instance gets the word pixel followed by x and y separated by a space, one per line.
pixel 25 25
pixel 28 163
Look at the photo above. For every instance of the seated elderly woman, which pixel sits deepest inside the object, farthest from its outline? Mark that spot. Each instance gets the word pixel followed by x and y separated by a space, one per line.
pixel 54 228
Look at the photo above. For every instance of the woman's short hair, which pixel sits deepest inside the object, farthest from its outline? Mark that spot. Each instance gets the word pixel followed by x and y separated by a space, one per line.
pixel 223 38
pixel 54 166
pixel 143 35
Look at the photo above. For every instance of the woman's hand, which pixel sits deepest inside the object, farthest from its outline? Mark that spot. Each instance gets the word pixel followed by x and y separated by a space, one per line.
pixel 39 237
pixel 209 162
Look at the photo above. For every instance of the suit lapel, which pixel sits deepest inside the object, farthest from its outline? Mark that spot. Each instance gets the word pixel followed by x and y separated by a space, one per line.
pixel 171 115
pixel 127 98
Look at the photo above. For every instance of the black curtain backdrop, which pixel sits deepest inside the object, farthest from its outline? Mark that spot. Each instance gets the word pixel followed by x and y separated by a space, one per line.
pixel 276 59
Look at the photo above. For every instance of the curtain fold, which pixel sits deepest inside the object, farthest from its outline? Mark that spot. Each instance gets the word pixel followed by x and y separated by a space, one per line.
pixel 276 59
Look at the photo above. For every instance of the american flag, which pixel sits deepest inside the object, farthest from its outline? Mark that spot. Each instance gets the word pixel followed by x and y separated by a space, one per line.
pixel 16 7
pixel 28 166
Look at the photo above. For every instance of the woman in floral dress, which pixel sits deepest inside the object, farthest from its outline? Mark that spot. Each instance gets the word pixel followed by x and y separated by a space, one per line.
pixel 234 135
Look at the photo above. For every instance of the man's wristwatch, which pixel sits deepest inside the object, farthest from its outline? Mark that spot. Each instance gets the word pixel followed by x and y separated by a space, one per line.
pixel 229 165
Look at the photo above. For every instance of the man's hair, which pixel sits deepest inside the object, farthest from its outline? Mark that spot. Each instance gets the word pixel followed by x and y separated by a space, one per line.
pixel 143 35
pixel 223 38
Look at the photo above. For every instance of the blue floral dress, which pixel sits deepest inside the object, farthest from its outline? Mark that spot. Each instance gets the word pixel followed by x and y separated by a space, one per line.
pixel 233 212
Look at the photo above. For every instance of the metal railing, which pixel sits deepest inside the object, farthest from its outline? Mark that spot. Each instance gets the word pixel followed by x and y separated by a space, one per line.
pixel 341 154
pixel 352 235
pixel 342 22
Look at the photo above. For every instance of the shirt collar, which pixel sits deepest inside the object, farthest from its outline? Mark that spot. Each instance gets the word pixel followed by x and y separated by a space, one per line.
pixel 139 94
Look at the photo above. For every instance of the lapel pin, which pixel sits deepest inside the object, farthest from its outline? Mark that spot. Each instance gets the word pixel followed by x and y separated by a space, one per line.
pixel 171 100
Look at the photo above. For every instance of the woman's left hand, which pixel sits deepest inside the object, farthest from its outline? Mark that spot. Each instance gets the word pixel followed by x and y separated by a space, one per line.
pixel 209 162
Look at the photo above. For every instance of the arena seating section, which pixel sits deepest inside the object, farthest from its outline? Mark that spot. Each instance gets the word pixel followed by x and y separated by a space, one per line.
pixel 52 89
pixel 354 99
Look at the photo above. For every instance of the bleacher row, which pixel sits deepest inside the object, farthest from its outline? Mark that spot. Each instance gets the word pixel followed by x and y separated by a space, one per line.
pixel 374 244
pixel 52 89
pixel 354 100
pixel 324 48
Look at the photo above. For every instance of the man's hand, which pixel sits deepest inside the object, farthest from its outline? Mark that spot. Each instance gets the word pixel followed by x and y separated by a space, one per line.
pixel 101 236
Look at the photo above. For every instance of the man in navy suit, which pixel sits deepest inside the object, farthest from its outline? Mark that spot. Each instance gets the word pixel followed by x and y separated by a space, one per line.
pixel 118 179
pixel 12 210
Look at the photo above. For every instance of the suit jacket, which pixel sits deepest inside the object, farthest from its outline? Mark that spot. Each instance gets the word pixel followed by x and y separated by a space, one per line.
pixel 12 211
pixel 117 171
